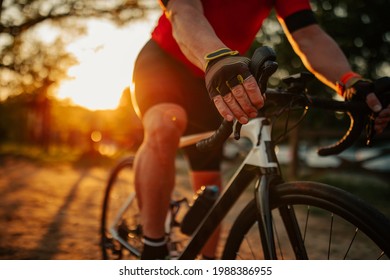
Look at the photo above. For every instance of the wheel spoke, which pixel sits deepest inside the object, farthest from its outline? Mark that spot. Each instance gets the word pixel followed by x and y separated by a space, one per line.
pixel 350 243
pixel 306 223
pixel 278 241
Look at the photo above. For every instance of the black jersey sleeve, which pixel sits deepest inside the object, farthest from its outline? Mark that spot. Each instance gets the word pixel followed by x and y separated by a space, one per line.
pixel 299 20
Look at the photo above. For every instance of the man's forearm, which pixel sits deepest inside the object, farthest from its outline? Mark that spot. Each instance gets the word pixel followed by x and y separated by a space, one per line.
pixel 320 54
pixel 192 31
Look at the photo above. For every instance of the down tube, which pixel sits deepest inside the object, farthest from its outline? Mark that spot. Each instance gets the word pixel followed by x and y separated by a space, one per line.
pixel 219 211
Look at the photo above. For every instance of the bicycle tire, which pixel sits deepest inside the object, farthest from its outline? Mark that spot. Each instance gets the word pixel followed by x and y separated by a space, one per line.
pixel 371 229
pixel 121 237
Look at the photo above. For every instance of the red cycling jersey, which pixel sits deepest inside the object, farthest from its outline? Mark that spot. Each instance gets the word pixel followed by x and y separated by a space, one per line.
pixel 236 24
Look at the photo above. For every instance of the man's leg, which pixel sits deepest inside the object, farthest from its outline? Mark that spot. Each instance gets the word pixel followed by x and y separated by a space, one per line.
pixel 163 124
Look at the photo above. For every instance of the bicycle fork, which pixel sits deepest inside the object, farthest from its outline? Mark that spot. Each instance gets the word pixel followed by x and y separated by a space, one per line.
pixel 265 221
pixel 269 175
pixel 264 218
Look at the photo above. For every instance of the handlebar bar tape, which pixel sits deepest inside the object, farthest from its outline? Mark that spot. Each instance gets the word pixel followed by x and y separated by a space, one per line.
pixel 217 139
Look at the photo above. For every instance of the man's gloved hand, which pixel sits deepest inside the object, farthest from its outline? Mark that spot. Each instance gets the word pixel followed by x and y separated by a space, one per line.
pixel 231 85
pixel 358 89
pixel 354 87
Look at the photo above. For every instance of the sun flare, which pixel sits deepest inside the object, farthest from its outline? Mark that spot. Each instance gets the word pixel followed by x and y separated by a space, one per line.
pixel 106 57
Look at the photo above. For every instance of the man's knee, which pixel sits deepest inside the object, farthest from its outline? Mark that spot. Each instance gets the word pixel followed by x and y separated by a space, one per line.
pixel 165 119
pixel 164 125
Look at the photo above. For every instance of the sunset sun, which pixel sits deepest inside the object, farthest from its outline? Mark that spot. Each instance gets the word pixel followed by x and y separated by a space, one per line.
pixel 106 58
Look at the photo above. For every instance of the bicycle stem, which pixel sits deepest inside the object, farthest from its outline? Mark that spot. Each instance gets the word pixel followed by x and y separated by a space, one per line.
pixel 258 131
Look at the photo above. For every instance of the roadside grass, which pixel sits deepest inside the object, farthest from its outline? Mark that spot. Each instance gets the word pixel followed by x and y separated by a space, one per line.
pixel 372 189
pixel 39 154
pixel 58 155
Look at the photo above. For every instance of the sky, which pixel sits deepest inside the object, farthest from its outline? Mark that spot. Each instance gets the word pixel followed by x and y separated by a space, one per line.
pixel 106 57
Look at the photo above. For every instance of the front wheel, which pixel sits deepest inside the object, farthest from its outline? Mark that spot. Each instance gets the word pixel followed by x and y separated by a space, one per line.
pixel 332 224
pixel 121 234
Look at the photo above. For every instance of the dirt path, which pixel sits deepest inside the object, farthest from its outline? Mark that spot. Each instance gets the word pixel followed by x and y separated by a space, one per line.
pixel 49 212
pixel 53 212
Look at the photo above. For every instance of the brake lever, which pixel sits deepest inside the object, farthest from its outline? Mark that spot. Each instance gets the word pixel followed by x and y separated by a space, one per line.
pixel 237 131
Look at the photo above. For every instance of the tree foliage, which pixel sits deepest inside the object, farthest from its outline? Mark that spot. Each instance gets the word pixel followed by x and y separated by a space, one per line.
pixel 18 16
pixel 361 29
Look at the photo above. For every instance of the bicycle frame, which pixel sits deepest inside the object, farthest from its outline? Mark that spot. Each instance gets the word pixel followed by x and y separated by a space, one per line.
pixel 261 163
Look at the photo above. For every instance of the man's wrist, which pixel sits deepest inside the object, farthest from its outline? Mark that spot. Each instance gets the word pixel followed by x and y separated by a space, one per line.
pixel 352 85
pixel 346 81
pixel 215 55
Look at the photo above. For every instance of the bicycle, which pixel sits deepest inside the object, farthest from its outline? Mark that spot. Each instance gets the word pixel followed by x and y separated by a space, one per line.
pixel 278 221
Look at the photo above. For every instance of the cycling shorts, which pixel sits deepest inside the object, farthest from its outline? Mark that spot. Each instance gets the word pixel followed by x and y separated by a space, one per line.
pixel 159 78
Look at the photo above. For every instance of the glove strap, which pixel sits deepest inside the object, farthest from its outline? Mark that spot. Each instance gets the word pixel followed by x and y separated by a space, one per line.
pixel 218 54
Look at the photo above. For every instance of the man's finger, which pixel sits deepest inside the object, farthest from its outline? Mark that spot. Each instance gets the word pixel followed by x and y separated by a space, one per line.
pixel 243 100
pixel 235 108
pixel 382 120
pixel 253 91
pixel 373 102
pixel 222 108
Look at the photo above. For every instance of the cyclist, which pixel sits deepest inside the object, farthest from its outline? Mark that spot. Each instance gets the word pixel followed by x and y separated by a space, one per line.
pixel 192 72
